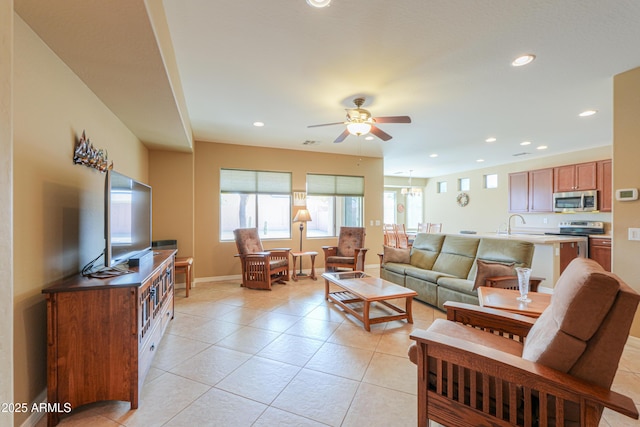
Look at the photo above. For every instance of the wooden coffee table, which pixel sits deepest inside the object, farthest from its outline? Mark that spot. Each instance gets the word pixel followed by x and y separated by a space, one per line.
pixel 358 290
pixel 505 299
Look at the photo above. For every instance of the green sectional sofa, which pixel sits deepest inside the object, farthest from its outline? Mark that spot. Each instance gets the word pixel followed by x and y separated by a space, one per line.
pixel 443 267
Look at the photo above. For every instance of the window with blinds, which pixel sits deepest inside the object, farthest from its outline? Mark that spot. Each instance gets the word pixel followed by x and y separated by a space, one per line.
pixel 255 199
pixel 334 201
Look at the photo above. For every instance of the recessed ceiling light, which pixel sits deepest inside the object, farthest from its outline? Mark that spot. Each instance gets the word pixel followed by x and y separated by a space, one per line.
pixel 318 3
pixel 369 138
pixel 541 147
pixel 491 139
pixel 433 155
pixel 525 143
pixel 523 60
pixel 480 160
pixel 258 124
pixel 588 113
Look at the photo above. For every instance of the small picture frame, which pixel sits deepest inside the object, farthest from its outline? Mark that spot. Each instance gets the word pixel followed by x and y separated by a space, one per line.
pixel 299 198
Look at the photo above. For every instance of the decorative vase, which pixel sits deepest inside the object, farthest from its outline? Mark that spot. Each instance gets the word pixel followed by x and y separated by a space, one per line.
pixel 523 283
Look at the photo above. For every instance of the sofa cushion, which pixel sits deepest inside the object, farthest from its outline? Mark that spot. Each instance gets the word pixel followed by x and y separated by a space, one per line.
pixel 505 251
pixel 456 284
pixel 457 255
pixel 398 255
pixel 425 249
pixel 583 296
pixel 395 267
pixel 428 275
pixel 486 269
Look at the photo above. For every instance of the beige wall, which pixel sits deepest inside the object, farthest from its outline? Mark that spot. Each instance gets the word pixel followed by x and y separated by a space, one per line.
pixel 626 152
pixel 6 207
pixel 489 208
pixel 171 176
pixel 58 206
pixel 216 258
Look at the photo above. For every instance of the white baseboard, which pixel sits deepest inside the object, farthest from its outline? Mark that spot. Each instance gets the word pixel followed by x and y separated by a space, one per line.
pixel 35 417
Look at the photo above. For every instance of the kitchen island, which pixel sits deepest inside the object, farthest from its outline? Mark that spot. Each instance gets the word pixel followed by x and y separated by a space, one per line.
pixel 552 253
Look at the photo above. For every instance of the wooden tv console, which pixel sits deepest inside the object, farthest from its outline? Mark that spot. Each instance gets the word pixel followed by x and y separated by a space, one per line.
pixel 102 334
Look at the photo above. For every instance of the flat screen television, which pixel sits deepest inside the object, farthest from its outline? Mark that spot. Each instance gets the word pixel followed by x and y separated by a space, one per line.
pixel 127 218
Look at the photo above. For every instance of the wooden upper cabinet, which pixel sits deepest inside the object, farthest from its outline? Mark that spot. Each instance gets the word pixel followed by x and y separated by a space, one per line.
pixel 519 192
pixel 579 177
pixel 541 190
pixel 605 185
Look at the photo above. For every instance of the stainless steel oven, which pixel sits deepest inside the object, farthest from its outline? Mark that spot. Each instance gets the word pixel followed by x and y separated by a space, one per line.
pixel 580 228
pixel 575 201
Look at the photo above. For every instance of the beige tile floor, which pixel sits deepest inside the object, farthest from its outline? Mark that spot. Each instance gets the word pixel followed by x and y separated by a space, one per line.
pixel 239 357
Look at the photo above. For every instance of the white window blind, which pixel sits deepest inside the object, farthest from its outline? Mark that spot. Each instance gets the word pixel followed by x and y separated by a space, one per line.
pixel 335 185
pixel 254 182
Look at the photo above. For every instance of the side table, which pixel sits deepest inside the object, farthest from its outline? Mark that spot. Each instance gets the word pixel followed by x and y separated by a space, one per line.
pixel 295 256
pixel 505 299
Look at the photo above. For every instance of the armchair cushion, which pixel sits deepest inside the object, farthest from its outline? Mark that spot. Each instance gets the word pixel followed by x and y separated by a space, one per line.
pixel 339 259
pixel 560 335
pixel 486 269
pixel 396 255
pixel 247 241
pixel 351 238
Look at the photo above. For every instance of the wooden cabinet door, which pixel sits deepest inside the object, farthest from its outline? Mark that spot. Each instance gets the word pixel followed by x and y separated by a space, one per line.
pixel 605 185
pixel 564 178
pixel 568 251
pixel 600 251
pixel 586 176
pixel 541 190
pixel 519 192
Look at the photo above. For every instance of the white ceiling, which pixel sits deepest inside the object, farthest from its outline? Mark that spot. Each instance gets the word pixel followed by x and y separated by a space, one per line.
pixel 445 63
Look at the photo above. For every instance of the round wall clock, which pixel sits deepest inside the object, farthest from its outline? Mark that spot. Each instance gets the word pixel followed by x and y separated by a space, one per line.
pixel 462 199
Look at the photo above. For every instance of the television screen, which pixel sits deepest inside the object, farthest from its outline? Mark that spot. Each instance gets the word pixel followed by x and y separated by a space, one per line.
pixel 127 218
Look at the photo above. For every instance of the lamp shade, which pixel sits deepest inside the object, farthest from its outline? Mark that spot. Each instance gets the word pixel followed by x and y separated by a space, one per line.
pixel 302 215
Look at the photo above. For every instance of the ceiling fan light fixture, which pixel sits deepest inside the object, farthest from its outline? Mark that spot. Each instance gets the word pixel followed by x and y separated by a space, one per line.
pixel 318 3
pixel 358 128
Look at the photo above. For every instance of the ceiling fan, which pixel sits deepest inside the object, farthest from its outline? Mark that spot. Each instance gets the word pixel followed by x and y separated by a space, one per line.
pixel 359 122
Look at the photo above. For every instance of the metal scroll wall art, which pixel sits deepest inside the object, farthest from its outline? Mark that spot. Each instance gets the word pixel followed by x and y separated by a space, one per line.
pixel 86 154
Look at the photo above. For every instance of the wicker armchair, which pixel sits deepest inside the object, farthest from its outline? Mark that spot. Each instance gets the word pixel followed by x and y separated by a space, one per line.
pixel 260 268
pixel 489 367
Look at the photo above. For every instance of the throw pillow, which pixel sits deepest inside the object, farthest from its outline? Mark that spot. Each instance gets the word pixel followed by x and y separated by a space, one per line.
pixel 491 269
pixel 402 256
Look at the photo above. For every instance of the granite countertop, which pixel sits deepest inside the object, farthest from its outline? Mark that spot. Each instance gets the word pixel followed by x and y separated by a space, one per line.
pixel 539 239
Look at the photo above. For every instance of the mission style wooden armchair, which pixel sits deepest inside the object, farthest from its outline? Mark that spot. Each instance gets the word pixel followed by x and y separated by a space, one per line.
pixel 489 367
pixel 260 268
pixel 350 252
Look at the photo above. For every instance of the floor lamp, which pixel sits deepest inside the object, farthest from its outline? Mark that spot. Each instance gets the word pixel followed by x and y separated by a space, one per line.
pixel 302 216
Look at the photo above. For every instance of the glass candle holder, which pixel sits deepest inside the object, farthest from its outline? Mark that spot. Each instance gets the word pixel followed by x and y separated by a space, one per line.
pixel 523 283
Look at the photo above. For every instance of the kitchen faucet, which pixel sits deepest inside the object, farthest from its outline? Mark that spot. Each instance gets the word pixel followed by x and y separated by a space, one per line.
pixel 509 222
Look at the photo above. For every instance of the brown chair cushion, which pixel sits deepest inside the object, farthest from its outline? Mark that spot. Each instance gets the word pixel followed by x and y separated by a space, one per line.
pixel 351 238
pixel 247 240
pixel 402 256
pixel 485 269
pixel 582 298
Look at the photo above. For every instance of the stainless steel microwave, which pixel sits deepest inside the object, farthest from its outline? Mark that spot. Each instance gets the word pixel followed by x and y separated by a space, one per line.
pixel 575 201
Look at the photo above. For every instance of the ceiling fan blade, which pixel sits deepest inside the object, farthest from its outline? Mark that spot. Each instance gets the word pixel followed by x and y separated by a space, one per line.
pixel 393 119
pixel 342 136
pixel 380 133
pixel 326 124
